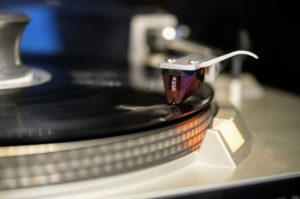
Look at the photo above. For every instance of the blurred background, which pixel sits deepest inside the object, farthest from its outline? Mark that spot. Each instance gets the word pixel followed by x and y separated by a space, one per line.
pixel 85 33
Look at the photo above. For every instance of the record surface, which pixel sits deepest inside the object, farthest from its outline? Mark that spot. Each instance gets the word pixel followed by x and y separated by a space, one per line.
pixel 65 110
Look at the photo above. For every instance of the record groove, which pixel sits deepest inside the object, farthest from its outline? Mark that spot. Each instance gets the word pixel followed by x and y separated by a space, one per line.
pixel 70 112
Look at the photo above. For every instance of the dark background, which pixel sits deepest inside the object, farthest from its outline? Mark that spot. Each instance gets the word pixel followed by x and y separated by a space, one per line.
pixel 89 32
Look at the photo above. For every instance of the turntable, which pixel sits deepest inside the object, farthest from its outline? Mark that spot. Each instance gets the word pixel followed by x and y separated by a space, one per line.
pixel 94 134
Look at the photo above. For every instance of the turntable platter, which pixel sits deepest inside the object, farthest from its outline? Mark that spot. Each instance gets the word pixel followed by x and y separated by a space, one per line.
pixel 62 110
pixel 113 128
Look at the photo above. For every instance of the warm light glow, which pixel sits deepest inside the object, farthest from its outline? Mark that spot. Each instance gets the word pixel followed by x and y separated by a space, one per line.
pixel 169 33
pixel 230 133
pixel 192 134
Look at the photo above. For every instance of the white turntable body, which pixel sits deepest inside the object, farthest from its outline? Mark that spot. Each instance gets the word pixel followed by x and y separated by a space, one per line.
pixel 273 156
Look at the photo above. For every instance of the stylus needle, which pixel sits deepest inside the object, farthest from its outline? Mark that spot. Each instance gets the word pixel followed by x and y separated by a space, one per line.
pixel 183 76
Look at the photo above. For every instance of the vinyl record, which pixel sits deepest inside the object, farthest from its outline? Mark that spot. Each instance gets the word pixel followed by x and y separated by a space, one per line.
pixel 66 110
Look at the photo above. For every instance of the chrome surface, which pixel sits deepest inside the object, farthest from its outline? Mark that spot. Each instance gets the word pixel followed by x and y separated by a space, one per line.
pixel 12 26
pixel 47 164
pixel 274 124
